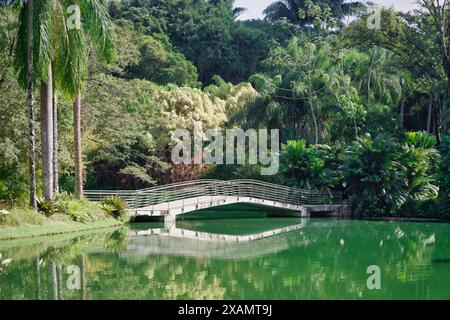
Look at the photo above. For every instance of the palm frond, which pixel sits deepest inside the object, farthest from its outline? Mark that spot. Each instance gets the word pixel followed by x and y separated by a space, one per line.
pixel 42 28
pixel 72 62
pixel 277 11
pixel 98 26
pixel 238 11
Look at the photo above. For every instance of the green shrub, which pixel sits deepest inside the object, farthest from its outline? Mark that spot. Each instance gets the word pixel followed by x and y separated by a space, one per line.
pixel 375 181
pixel 421 159
pixel 47 208
pixel 78 216
pixel 114 206
pixel 63 201
pixel 109 209
pixel 13 186
pixel 63 197
pixel 302 165
pixel 117 241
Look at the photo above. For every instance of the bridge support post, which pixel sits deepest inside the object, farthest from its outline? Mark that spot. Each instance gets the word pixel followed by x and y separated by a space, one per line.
pixel 169 219
pixel 304 212
pixel 169 225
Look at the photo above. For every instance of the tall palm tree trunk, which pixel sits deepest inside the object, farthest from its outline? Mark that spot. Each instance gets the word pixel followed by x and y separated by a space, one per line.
pixel 55 122
pixel 47 135
pixel 31 133
pixel 77 137
pixel 55 143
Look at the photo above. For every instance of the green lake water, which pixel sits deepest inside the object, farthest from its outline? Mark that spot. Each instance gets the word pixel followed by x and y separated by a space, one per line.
pixel 321 259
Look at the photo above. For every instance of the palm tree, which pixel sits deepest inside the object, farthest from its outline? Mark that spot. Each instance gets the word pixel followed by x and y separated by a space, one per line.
pixel 60 56
pixel 27 13
pixel 297 91
pixel 30 88
pixel 47 134
pixel 343 8
pixel 72 63
pixel 238 11
pixel 55 141
pixel 32 61
pixel 290 9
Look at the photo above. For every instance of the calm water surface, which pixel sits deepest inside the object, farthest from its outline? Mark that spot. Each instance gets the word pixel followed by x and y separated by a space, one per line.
pixel 308 259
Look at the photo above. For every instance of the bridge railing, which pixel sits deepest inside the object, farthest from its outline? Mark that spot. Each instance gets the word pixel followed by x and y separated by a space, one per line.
pixel 243 188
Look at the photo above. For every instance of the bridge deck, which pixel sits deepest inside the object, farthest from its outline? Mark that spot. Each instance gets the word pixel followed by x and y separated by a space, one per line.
pixel 205 202
pixel 174 199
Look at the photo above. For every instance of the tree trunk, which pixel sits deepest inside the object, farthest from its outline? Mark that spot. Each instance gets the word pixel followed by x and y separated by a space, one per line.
pixel 372 62
pixel 402 112
pixel 78 156
pixel 437 124
pixel 55 122
pixel 55 143
pixel 47 135
pixel 430 111
pixel 31 133
pixel 316 128
pixel 444 106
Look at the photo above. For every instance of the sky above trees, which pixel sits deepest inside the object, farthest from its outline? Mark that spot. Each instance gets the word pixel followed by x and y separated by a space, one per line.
pixel 256 7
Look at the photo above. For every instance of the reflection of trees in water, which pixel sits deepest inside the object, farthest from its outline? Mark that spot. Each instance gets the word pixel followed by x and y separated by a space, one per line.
pixel 37 263
pixel 83 268
pixel 321 267
pixel 117 240
pixel 40 268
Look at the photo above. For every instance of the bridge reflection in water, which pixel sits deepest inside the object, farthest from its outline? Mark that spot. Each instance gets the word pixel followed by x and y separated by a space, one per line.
pixel 184 242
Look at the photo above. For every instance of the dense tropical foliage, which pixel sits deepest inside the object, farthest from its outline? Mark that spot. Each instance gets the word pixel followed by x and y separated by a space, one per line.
pixel 364 111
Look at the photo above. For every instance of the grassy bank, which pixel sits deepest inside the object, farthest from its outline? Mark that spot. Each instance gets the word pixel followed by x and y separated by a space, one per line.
pixel 79 215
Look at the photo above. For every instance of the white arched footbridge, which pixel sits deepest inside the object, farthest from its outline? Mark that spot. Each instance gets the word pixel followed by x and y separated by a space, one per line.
pixel 179 198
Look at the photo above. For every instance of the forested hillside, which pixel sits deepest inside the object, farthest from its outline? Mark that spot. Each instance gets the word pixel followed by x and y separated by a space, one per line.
pixel 364 111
